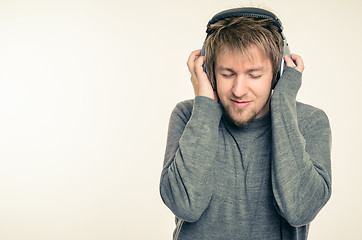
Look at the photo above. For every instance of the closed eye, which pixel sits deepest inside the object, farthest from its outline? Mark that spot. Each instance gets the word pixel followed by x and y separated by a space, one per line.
pixel 227 75
pixel 254 76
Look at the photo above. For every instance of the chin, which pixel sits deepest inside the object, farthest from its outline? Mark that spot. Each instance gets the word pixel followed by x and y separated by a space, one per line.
pixel 243 122
pixel 243 118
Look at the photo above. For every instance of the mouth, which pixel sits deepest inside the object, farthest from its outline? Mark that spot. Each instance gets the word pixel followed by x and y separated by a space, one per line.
pixel 240 104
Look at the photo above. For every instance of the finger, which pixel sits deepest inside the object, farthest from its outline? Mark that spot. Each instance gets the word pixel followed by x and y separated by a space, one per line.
pixel 288 61
pixel 191 60
pixel 299 65
pixel 197 52
pixel 194 54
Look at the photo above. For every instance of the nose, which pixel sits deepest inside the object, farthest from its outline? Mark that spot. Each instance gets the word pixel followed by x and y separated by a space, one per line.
pixel 240 86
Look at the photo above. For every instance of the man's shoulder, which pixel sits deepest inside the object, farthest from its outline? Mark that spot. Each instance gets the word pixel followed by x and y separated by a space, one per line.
pixel 304 109
pixel 183 109
pixel 307 114
pixel 186 104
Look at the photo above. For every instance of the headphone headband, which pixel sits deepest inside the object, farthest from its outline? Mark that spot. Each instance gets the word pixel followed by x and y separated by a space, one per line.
pixel 247 12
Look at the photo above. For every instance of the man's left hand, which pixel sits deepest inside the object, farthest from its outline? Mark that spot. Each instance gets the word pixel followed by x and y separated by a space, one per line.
pixel 295 61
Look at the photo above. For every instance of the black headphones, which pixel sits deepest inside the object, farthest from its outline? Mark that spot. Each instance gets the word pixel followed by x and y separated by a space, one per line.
pixel 250 12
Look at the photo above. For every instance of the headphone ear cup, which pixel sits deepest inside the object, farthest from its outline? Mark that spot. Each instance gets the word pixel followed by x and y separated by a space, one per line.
pixel 276 79
pixel 286 51
pixel 203 51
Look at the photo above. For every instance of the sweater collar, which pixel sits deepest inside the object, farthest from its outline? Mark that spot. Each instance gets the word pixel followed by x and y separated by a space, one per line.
pixel 261 122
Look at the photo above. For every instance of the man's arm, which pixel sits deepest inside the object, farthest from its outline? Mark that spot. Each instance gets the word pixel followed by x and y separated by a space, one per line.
pixel 186 180
pixel 301 168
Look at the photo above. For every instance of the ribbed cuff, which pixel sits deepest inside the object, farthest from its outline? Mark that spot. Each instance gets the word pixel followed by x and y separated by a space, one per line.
pixel 289 82
pixel 207 109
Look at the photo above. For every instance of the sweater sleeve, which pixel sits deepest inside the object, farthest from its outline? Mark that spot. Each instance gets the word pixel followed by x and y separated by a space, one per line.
pixel 301 168
pixel 186 179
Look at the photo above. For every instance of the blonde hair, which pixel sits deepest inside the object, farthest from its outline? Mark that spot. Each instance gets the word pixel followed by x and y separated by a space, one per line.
pixel 239 34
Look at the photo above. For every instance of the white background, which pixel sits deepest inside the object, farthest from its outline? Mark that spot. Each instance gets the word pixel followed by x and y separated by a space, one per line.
pixel 86 91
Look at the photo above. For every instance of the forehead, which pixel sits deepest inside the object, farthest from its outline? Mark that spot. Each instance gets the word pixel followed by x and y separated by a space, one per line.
pixel 250 57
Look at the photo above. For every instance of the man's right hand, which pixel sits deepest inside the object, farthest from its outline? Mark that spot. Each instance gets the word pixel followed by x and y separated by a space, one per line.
pixel 199 79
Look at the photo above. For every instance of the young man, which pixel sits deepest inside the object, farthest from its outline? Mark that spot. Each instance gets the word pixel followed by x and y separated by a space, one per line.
pixel 244 159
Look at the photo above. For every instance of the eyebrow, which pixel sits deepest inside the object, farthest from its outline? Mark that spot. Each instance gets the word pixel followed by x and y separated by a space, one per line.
pixel 249 70
pixel 225 69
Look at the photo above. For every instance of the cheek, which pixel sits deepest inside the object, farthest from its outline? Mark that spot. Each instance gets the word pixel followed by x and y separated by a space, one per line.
pixel 222 88
pixel 262 89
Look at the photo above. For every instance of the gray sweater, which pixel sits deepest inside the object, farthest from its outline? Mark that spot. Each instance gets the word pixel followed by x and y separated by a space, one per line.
pixel 267 180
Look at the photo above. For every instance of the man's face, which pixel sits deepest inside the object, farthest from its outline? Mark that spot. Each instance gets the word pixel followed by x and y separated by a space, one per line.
pixel 244 84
